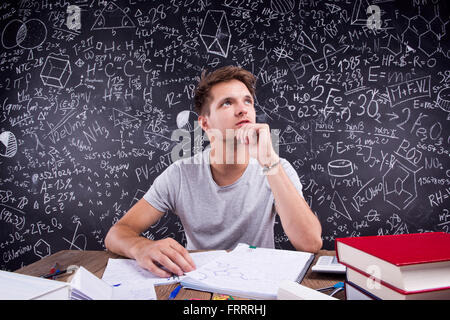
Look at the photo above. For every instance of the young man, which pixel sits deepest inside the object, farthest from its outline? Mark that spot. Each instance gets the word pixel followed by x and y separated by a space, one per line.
pixel 227 194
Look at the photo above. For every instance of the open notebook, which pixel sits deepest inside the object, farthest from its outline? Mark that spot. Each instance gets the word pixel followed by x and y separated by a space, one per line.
pixel 249 272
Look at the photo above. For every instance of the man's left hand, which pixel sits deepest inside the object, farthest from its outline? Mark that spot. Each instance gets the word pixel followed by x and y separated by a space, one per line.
pixel 258 139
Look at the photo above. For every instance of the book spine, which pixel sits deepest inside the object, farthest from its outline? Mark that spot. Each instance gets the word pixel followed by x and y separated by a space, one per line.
pixel 361 290
pixel 390 286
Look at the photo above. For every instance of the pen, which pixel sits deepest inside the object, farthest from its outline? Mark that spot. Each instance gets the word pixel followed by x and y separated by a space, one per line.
pixel 337 287
pixel 54 271
pixel 174 293
pixel 54 274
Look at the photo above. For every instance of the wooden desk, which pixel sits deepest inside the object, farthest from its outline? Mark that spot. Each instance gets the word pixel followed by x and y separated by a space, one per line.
pixel 96 261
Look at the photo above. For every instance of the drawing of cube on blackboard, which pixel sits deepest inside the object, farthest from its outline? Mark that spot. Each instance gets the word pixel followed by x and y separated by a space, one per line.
pixel 56 71
pixel 215 32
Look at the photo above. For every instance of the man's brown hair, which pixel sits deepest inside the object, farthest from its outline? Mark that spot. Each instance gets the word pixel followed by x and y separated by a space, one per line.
pixel 201 94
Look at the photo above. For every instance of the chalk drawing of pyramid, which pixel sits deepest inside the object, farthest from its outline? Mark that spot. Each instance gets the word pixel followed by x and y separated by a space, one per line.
pixel 337 205
pixel 215 33
pixel 290 136
pixel 121 118
pixel 359 15
pixel 112 17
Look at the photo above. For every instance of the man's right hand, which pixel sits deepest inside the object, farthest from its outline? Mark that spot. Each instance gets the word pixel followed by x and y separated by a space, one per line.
pixel 161 257
pixel 166 253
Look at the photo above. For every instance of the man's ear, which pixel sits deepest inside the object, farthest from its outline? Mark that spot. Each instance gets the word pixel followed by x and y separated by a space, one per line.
pixel 203 122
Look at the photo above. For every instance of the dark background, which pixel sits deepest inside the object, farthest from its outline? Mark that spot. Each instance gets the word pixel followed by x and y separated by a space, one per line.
pixel 88 106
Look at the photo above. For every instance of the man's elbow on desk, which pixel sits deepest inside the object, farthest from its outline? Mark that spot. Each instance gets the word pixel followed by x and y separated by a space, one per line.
pixel 313 244
pixel 316 245
pixel 108 239
pixel 113 239
pixel 305 236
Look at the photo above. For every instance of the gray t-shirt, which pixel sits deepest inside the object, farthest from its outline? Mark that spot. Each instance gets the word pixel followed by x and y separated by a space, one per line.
pixel 216 217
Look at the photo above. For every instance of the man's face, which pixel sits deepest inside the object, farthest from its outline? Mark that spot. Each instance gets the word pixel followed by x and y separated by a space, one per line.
pixel 231 105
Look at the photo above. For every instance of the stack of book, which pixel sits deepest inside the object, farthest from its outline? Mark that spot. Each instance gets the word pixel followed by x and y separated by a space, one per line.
pixel 396 267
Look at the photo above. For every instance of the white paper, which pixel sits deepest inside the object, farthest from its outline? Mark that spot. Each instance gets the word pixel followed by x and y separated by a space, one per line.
pixel 135 290
pixel 90 285
pixel 132 281
pixel 16 286
pixel 119 271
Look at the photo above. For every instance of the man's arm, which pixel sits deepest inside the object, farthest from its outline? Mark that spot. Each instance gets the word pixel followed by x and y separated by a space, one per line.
pixel 124 238
pixel 299 223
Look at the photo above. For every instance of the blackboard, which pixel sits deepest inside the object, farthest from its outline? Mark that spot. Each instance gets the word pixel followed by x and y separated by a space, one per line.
pixel 357 92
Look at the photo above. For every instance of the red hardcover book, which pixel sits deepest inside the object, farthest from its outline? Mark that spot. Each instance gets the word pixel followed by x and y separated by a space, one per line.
pixel 406 263
pixel 378 290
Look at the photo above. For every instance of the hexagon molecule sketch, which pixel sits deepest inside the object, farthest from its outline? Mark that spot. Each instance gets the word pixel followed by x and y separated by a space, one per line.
pixel 42 249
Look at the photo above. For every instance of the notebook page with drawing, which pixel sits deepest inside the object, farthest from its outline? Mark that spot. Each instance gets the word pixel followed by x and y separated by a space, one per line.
pixel 121 271
pixel 249 272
